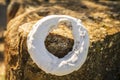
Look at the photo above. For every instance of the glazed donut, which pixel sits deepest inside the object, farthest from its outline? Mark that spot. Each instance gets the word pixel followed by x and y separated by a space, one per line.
pixel 47 61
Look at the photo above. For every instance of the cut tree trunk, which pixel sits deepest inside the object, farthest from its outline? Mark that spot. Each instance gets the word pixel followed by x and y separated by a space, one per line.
pixel 103 58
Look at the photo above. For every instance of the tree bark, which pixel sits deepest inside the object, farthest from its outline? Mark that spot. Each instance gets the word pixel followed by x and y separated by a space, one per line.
pixel 103 58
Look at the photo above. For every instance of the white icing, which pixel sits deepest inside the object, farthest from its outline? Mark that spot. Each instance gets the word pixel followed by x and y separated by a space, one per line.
pixel 47 61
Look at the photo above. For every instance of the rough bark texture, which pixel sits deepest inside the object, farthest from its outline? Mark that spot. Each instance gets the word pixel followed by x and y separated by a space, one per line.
pixel 104 53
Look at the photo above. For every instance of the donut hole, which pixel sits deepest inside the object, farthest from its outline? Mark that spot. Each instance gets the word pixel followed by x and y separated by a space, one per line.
pixel 60 40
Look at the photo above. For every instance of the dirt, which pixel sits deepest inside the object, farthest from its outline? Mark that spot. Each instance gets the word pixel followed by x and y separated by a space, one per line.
pixel 2 24
pixel 2 29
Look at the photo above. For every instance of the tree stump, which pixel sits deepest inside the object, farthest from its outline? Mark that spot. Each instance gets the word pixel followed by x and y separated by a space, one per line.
pixel 103 58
